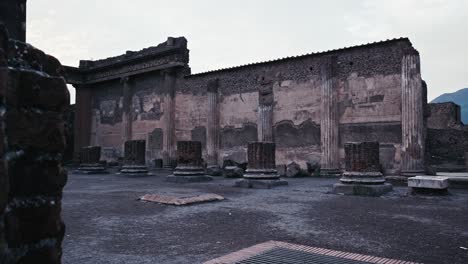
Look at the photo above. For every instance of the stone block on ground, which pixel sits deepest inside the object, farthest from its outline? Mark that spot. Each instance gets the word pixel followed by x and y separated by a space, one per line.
pixel 281 170
pixel 313 168
pixel 429 182
pixel 293 170
pixel 233 172
pixel 172 200
pixel 214 171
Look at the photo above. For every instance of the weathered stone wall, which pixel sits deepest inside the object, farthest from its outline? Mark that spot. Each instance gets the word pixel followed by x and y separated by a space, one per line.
pixel 34 97
pixel 444 116
pixel 369 103
pixel 445 148
pixel 447 138
pixel 368 88
pixel 127 98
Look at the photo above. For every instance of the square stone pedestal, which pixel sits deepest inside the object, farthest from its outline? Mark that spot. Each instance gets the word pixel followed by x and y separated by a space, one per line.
pixel 188 179
pixel 259 184
pixel 362 189
pixel 429 185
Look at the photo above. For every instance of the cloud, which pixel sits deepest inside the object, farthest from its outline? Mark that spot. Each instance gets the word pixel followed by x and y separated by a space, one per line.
pixel 227 33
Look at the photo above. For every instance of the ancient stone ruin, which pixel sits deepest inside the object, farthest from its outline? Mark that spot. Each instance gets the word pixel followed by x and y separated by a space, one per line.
pixel 447 138
pixel 33 98
pixel 309 105
pixel 362 174
pixel 189 163
pixel 261 170
pixel 90 161
pixel 134 159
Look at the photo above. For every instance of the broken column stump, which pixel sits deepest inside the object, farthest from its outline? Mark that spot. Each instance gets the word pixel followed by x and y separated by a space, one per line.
pixel 89 161
pixel 261 170
pixel 189 163
pixel 362 174
pixel 134 158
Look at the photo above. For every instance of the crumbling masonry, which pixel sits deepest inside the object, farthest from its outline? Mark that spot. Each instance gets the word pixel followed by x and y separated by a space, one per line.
pixel 33 98
pixel 309 105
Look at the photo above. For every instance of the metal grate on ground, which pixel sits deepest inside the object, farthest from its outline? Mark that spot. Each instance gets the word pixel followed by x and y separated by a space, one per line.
pixel 275 252
pixel 290 256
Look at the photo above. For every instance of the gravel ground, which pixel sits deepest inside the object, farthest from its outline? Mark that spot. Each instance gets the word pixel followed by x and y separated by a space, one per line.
pixel 107 224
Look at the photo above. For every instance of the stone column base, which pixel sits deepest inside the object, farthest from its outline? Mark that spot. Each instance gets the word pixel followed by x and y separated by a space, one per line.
pixel 261 174
pixel 362 178
pixel 134 169
pixel 259 184
pixel 189 171
pixel 187 174
pixel 91 169
pixel 330 172
pixel 362 189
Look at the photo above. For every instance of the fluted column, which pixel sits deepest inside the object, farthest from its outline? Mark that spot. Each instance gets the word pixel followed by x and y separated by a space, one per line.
pixel 127 118
pixel 330 164
pixel 169 154
pixel 265 110
pixel 212 132
pixel 412 115
pixel 265 123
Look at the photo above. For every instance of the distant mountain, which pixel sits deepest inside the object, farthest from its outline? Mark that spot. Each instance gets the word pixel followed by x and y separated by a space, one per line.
pixel 459 97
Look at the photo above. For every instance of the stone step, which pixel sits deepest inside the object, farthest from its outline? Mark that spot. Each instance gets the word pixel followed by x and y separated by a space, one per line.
pixel 429 182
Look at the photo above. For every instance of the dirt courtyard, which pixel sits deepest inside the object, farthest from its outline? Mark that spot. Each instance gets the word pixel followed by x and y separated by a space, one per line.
pixel 105 223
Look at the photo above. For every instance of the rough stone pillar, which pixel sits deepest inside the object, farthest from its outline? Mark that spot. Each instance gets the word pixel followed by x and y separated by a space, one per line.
pixel 265 109
pixel 330 162
pixel 362 174
pixel 169 152
pixel 127 116
pixel 189 163
pixel 83 117
pixel 89 160
pixel 412 115
pixel 261 169
pixel 212 132
pixel 33 98
pixel 134 157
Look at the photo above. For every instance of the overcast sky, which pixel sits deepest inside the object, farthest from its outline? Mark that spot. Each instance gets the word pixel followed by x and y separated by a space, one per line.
pixel 225 33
